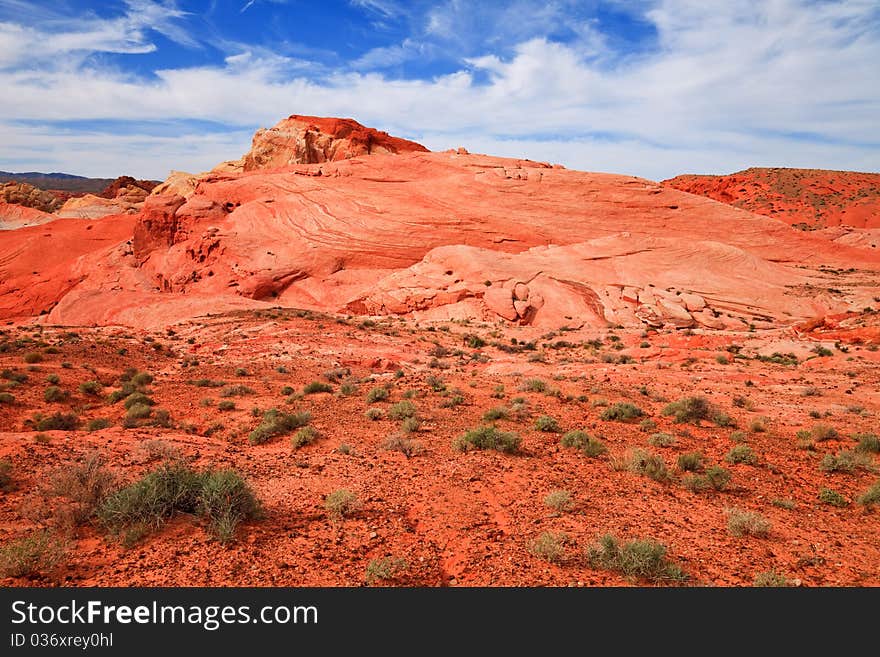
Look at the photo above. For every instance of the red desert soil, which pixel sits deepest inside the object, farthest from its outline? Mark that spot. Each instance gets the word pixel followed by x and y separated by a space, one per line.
pixel 807 198
pixel 460 283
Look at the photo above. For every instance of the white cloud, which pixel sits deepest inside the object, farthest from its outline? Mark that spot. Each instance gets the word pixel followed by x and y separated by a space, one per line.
pixel 728 85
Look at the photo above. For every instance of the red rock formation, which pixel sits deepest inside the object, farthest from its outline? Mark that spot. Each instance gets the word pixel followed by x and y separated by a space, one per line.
pixel 455 235
pixel 13 216
pixel 805 198
pixel 123 184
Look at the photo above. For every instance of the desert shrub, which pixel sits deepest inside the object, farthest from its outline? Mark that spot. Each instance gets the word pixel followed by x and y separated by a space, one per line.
pixel 661 439
pixel 377 394
pixel 747 523
pixel 784 503
pixel 138 412
pixel 487 437
pixel 221 497
pixel 453 400
pixel 846 461
pixel 85 484
pixel 53 379
pixel 496 413
pixel 758 425
pixel 374 414
pixel 694 409
pixel 92 388
pixel 276 423
pixel 819 433
pixel 715 477
pixel 402 444
pixel 316 387
pixel 741 453
pixel 226 405
pixel 5 474
pixel 584 442
pixel 644 559
pixel 650 465
pixel 549 546
pixel 15 377
pixel 31 555
pixel 410 425
pixel 7 398
pixel 138 399
pixel 207 383
pixel 237 391
pixel 304 436
pixel 141 379
pixel 647 425
pixel 341 504
pixel 384 569
pixel 347 389
pixel 622 412
pixel 55 394
pixel 558 500
pixel 287 390
pixel 98 423
pixel 401 410
pixel 56 422
pixel 821 351
pixel 871 496
pixel 533 385
pixel 770 579
pixel 867 442
pixel 690 462
pixel 33 357
pixel 832 497
pixel 547 424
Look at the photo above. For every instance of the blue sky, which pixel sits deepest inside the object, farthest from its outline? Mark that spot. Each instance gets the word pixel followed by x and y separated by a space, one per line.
pixel 647 87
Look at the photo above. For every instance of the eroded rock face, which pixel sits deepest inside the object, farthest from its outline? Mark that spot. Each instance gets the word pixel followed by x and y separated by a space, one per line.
pixel 311 139
pixel 13 216
pixel 440 236
pixel 19 193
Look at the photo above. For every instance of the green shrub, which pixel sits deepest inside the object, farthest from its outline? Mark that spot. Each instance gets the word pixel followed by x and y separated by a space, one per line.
pixel 5 474
pixel 558 500
pixel 661 439
pixel 341 504
pixel 406 446
pixel 138 399
pixel 288 390
pixel 784 503
pixel 55 394
pixel 237 391
pixel 547 424
pixel 821 432
pixel 487 437
pixel 647 425
pixel 142 379
pixel 374 414
pixel 747 523
pixel 871 496
pixel 7 398
pixel 715 477
pixel 33 357
pixel 741 453
pixel 32 555
pixel 138 412
pixel 694 409
pixel 770 579
pixel 316 387
pixel 622 412
pixel 92 388
pixel 303 437
pixel 402 410
pixel 584 442
pixel 221 497
pixel 650 465
pixel 207 383
pixel 276 423
pixel 377 395
pixel 53 379
pixel 533 385
pixel 347 389
pixel 549 546
pixel 56 422
pixel 644 559
pixel 98 423
pixel 85 484
pixel 846 461
pixel 832 497
pixel 496 413
pixel 690 462
pixel 410 425
pixel 868 442
pixel 384 569
pixel 226 405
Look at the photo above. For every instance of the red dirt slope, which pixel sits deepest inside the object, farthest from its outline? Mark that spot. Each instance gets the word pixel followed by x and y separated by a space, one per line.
pixel 805 198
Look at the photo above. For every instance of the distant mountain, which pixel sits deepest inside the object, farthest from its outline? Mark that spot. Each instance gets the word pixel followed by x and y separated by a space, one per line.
pixel 65 182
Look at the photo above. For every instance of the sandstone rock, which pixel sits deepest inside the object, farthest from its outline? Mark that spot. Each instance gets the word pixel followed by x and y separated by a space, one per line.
pixel 90 206
pixel 500 302
pixel 26 195
pixel 521 291
pixel 311 139
pixel 692 301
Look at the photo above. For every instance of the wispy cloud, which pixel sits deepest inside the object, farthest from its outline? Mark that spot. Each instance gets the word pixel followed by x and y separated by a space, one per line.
pixel 723 85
